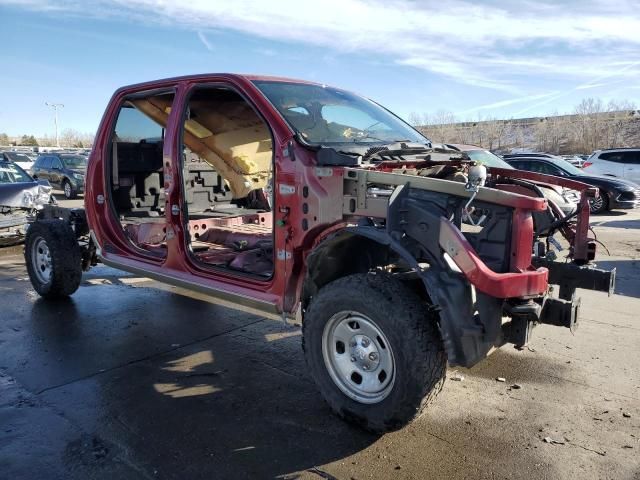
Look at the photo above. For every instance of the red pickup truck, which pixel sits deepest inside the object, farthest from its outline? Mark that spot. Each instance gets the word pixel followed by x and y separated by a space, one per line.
pixel 308 203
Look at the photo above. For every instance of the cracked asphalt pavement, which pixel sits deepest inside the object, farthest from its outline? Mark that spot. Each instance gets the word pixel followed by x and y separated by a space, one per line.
pixel 132 379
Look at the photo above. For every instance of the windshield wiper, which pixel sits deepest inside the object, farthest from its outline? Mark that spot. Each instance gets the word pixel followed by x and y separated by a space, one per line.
pixel 397 150
pixel 359 138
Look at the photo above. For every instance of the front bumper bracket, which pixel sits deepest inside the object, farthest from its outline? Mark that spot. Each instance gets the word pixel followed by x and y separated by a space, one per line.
pixel 570 276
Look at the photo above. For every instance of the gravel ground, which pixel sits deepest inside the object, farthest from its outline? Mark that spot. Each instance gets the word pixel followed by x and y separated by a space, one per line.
pixel 130 379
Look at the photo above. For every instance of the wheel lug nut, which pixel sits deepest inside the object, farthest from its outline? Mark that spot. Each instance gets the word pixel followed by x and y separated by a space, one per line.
pixel 365 367
pixel 353 358
pixel 373 356
pixel 365 342
pixel 352 343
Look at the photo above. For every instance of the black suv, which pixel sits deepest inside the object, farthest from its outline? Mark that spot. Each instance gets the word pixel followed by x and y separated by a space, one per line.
pixel 63 170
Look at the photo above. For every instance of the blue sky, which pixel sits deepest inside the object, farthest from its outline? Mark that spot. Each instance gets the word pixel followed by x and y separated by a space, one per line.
pixel 497 58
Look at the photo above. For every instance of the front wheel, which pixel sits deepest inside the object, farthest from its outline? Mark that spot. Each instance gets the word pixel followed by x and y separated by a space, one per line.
pixel 69 192
pixel 599 204
pixel 53 258
pixel 373 348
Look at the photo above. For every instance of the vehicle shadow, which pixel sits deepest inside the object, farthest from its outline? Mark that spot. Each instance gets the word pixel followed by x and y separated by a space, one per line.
pixel 627 276
pixel 166 386
pixel 481 444
pixel 232 400
pixel 239 405
pixel 611 213
pixel 519 366
pixel 633 224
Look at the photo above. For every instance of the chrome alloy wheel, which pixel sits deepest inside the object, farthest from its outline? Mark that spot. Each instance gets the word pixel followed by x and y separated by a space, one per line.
pixel 41 260
pixel 67 189
pixel 595 204
pixel 358 357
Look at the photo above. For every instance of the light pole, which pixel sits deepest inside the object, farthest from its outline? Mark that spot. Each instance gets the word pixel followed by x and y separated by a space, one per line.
pixel 55 107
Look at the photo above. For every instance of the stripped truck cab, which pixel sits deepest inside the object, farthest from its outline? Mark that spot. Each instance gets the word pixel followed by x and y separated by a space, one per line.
pixel 311 204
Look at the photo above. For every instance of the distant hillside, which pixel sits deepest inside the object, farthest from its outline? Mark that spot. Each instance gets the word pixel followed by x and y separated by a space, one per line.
pixel 562 134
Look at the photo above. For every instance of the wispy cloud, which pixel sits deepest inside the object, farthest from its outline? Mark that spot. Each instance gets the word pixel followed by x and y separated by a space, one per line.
pixel 205 41
pixel 497 45
pixel 592 85
pixel 507 103
pixel 588 86
pixel 267 52
pixel 621 70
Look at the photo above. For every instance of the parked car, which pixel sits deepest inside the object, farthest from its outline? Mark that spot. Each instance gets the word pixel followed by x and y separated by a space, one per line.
pixel 574 160
pixel 507 156
pixel 615 162
pixel 23 160
pixel 63 170
pixel 20 197
pixel 307 203
pixel 566 199
pixel 615 193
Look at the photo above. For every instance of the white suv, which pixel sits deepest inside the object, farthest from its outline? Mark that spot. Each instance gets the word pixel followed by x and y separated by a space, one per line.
pixel 615 162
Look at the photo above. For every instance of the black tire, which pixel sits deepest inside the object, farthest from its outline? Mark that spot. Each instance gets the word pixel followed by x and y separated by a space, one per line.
pixel 65 258
pixel 596 207
pixel 69 192
pixel 412 332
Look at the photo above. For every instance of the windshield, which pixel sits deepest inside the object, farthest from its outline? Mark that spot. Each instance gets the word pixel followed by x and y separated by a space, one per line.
pixel 487 158
pixel 562 164
pixel 18 157
pixel 12 173
pixel 329 116
pixel 74 161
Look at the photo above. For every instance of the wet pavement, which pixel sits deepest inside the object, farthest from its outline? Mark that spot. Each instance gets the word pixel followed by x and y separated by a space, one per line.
pixel 129 379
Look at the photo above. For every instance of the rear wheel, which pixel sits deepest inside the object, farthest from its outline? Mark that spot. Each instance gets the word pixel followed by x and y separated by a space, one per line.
pixel 374 350
pixel 53 258
pixel 599 204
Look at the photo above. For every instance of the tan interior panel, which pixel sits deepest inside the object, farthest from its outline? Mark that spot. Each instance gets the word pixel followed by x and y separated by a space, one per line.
pixel 237 143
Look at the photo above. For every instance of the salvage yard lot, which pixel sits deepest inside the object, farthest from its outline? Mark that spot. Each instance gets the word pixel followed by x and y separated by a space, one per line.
pixel 129 379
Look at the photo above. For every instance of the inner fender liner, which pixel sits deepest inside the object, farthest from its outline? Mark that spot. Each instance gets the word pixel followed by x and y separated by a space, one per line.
pixel 469 331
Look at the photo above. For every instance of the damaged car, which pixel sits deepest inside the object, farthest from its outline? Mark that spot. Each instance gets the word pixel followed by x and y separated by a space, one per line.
pixel 564 199
pixel 20 198
pixel 311 204
pixel 21 159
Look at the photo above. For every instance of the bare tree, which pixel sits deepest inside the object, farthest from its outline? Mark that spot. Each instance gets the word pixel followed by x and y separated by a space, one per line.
pixel 439 127
pixel 587 124
pixel 443 126
pixel 593 125
pixel 620 117
pixel 494 133
pixel 47 141
pixel 415 119
pixel 464 134
pixel 74 138
pixel 551 133
pixel 476 132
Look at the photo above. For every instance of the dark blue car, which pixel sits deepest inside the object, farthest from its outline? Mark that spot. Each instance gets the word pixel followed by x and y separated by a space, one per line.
pixel 63 170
